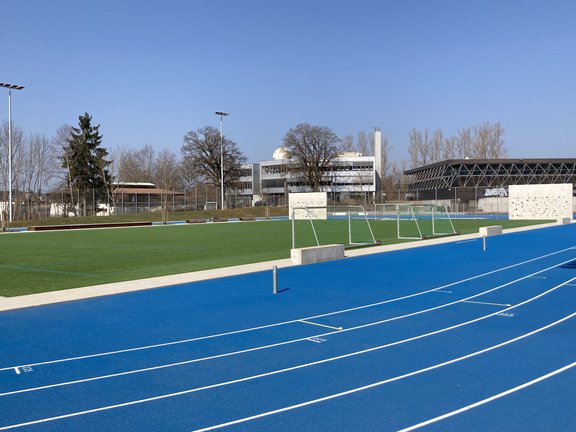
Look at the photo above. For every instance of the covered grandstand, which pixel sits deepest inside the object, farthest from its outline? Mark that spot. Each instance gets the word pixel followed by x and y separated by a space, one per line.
pixel 464 183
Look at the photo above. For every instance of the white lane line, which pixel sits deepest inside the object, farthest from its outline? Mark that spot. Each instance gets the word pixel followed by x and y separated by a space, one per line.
pixel 487 303
pixel 489 399
pixel 17 370
pixel 292 407
pixel 183 341
pixel 380 383
pixel 277 344
pixel 267 374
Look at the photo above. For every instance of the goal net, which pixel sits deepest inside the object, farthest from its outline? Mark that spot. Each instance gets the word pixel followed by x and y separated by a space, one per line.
pixel 317 226
pixel 422 221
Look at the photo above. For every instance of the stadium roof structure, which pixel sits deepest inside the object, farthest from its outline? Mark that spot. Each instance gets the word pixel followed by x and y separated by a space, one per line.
pixel 487 173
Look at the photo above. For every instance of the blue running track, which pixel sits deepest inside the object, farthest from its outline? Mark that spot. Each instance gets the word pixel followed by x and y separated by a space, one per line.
pixel 438 338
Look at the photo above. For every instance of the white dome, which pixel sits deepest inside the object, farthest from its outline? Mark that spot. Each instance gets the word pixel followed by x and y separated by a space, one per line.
pixel 281 153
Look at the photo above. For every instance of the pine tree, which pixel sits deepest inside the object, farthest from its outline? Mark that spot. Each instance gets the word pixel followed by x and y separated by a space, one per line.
pixel 85 161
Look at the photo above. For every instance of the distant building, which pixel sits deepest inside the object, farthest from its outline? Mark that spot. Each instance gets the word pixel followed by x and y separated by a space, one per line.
pixel 465 182
pixel 248 186
pixel 350 178
pixel 139 197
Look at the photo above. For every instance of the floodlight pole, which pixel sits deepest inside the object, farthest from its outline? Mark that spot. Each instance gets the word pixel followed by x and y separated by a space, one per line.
pixel 222 114
pixel 10 87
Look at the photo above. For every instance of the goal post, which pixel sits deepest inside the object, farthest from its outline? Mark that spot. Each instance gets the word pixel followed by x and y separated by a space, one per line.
pixel 317 226
pixel 414 222
pixel 407 227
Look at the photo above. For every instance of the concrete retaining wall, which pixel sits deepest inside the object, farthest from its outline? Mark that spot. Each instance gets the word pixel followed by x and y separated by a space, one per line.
pixel 490 230
pixel 316 254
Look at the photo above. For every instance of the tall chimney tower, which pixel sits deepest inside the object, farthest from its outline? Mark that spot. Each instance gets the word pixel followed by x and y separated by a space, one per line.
pixel 378 161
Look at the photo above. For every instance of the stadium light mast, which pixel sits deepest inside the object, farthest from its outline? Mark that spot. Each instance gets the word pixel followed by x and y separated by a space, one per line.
pixel 10 87
pixel 222 114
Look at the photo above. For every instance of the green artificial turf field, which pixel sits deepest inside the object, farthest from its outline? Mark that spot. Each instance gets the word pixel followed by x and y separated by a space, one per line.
pixel 45 261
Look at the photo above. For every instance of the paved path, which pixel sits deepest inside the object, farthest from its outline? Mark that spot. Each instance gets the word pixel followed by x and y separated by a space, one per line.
pixel 9 303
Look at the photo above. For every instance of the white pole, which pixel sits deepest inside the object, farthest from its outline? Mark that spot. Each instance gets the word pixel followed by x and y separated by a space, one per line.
pixel 221 114
pixel 275 279
pixel 10 155
pixel 221 165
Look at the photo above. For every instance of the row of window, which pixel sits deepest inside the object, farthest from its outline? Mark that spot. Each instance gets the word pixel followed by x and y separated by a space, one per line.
pixel 280 183
pixel 282 169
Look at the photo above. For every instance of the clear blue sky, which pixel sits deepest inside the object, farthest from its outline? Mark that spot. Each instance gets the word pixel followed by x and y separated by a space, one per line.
pixel 150 71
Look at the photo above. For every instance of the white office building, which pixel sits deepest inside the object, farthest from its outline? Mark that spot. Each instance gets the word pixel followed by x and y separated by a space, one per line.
pixel 351 178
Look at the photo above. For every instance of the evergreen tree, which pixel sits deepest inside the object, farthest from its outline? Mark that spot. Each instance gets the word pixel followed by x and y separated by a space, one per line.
pixel 85 161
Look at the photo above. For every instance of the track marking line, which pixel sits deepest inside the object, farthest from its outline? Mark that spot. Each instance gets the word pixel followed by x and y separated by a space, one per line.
pixel 317 340
pixel 320 325
pixel 444 292
pixel 246 330
pixel 17 370
pixel 292 407
pixel 489 399
pixel 487 303
pixel 277 344
pixel 539 277
pixel 379 383
pixel 301 366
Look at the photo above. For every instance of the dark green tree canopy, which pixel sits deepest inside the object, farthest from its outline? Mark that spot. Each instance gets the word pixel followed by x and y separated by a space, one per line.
pixel 313 149
pixel 85 159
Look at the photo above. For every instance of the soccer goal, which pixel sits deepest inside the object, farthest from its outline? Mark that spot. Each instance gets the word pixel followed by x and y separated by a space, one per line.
pixel 414 222
pixel 316 226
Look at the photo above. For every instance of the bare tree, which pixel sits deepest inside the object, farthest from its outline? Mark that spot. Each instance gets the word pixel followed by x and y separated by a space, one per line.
pixel 201 150
pixel 188 175
pixel 17 153
pixel 395 182
pixel 347 143
pixel 39 167
pixel 436 146
pixel 313 150
pixel 450 149
pixel 364 143
pixel 60 141
pixel 465 143
pixel 166 178
pixel 495 143
pixel 385 151
pixel 478 142
pixel 137 165
pixel 420 148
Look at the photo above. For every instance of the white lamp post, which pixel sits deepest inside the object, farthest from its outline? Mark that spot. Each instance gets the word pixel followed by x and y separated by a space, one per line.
pixel 222 114
pixel 10 87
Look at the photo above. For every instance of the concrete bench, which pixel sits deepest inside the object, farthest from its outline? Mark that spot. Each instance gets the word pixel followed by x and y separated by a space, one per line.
pixel 88 225
pixel 490 230
pixel 309 255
